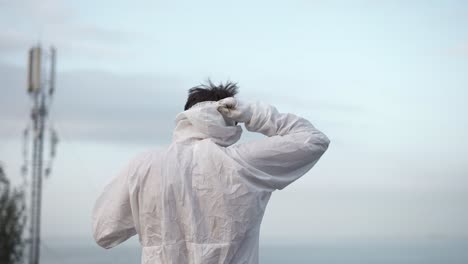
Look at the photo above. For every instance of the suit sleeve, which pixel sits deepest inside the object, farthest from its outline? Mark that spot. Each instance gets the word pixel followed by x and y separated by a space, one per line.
pixel 112 214
pixel 292 147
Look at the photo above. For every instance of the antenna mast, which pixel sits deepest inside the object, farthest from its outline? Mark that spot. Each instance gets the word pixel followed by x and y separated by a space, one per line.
pixel 41 86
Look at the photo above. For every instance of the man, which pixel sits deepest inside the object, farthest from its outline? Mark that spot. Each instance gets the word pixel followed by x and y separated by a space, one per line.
pixel 202 199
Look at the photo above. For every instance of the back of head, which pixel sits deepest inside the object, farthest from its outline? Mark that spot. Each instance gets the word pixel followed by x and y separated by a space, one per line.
pixel 210 92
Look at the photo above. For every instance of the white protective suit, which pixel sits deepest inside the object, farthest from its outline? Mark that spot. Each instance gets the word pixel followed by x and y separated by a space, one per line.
pixel 201 200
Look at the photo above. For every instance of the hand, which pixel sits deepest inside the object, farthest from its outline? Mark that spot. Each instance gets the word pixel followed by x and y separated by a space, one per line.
pixel 233 109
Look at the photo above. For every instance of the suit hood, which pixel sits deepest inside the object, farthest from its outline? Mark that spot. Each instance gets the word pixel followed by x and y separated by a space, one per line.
pixel 203 121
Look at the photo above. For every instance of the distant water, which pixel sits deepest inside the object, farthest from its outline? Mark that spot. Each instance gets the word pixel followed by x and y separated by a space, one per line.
pixel 428 252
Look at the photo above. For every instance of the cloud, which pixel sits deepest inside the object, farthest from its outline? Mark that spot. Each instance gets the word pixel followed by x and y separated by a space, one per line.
pixel 459 50
pixel 99 106
pixel 13 41
pixel 73 41
pixel 44 11
pixel 27 22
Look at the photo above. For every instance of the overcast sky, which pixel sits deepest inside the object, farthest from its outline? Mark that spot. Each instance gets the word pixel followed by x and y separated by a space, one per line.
pixel 387 82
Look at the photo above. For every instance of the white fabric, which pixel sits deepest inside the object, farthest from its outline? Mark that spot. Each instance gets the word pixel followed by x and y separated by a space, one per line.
pixel 201 200
pixel 233 109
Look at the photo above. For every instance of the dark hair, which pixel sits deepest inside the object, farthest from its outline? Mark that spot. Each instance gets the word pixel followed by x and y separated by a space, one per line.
pixel 210 92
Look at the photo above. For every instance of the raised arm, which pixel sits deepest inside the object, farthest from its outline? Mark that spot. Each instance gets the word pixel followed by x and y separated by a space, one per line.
pixel 292 147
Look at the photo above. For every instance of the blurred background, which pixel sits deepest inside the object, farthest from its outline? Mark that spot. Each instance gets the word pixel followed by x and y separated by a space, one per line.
pixel 385 80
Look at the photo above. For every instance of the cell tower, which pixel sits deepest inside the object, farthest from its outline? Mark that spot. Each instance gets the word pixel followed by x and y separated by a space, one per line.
pixel 40 87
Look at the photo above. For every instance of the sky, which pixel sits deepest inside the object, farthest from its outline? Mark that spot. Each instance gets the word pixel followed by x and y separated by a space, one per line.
pixel 384 80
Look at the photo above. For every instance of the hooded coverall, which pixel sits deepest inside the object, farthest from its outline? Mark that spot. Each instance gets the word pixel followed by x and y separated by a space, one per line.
pixel 201 200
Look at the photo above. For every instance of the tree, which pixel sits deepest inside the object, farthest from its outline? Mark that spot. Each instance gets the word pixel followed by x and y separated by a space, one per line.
pixel 12 222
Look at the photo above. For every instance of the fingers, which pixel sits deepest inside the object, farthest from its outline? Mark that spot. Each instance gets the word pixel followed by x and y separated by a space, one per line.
pixel 223 110
pixel 229 102
pixel 226 105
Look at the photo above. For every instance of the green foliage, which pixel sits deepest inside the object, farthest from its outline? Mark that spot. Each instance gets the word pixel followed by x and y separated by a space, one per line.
pixel 12 222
